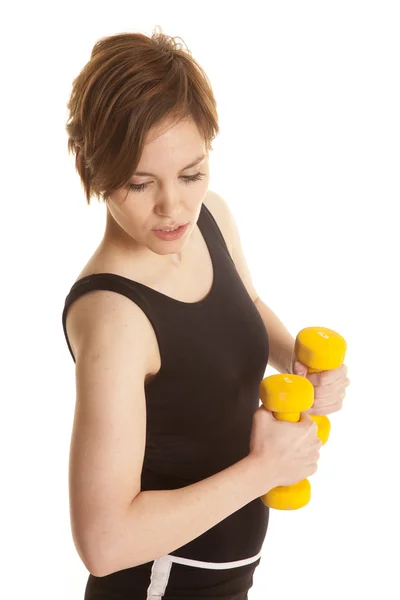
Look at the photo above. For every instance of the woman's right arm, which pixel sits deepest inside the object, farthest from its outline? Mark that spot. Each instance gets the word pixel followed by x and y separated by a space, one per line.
pixel 158 522
pixel 114 525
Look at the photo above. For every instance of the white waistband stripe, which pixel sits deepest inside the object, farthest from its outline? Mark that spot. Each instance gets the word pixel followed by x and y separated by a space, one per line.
pixel 161 570
pixel 212 565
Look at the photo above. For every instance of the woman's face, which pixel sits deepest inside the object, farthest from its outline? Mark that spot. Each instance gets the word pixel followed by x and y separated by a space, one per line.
pixel 171 192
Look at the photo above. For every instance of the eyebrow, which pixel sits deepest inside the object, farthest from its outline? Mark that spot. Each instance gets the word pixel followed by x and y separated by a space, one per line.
pixel 192 164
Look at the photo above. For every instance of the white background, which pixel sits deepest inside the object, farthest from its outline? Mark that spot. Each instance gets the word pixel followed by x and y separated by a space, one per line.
pixel 308 159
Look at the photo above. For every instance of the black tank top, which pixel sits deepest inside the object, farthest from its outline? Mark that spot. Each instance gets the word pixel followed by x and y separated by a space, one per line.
pixel 201 403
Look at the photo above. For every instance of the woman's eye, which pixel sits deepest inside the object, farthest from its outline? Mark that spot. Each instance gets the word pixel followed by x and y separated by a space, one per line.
pixel 139 187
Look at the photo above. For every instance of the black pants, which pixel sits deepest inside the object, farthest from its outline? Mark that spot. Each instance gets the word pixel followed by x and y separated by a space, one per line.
pixel 172 578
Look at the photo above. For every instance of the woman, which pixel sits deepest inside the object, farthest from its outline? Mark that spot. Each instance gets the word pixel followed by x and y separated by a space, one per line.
pixel 170 452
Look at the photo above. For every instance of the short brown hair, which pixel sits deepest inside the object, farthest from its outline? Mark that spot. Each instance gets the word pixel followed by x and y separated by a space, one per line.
pixel 131 83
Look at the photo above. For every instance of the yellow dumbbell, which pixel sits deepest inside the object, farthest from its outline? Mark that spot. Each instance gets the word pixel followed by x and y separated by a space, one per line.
pixel 286 396
pixel 320 349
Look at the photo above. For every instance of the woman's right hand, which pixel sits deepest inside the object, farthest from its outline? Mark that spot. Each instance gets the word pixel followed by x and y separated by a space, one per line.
pixel 286 452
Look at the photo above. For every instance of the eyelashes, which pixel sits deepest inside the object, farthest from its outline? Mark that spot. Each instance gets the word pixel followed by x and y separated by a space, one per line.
pixel 140 187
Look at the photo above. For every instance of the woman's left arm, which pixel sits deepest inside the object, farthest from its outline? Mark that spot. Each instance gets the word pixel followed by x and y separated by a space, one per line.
pixel 281 343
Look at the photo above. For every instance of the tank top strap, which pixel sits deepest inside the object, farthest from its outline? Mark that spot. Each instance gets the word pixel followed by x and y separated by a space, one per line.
pixel 212 232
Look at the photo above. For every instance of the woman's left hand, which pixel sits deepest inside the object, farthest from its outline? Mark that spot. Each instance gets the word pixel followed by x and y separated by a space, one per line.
pixel 329 387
